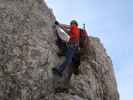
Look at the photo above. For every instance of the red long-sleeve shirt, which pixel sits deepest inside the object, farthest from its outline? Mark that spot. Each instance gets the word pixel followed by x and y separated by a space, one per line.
pixel 74 32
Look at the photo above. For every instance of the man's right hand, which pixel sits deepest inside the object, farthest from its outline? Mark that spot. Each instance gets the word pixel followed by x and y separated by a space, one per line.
pixel 56 23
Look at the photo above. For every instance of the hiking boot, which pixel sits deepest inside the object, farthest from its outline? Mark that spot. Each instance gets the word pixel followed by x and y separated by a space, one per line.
pixel 60 54
pixel 56 72
pixel 76 71
pixel 61 90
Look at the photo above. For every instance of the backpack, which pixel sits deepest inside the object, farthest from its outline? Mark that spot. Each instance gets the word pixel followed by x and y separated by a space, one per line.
pixel 84 39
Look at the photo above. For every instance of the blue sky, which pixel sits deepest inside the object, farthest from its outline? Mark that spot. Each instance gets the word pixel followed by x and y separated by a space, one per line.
pixel 112 22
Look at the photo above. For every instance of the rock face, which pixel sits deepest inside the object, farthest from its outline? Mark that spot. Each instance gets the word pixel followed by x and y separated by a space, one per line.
pixel 28 52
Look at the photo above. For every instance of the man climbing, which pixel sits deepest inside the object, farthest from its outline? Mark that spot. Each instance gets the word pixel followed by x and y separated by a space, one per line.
pixel 71 47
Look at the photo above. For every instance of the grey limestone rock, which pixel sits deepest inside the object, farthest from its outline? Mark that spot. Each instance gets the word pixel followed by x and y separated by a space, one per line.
pixel 28 53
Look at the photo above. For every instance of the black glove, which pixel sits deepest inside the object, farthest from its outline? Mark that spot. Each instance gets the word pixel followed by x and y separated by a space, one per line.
pixel 56 23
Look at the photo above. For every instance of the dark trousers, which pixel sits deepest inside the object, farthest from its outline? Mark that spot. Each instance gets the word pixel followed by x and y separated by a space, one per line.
pixel 69 55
